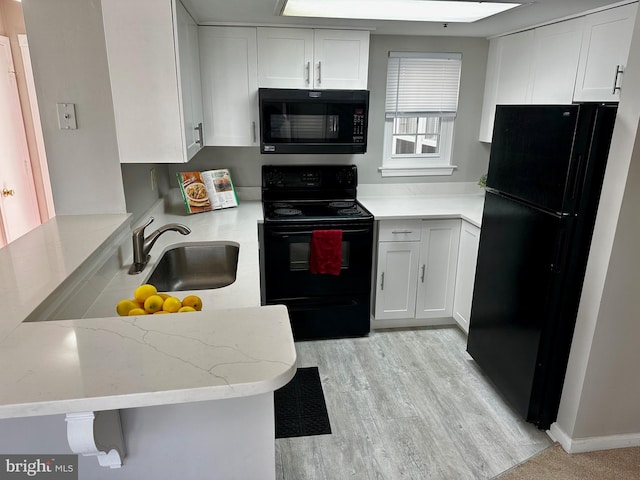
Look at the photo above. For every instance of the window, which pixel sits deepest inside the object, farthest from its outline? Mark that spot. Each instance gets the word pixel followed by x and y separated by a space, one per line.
pixel 421 105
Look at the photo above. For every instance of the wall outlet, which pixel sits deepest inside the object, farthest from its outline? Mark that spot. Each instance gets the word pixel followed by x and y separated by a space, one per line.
pixel 154 180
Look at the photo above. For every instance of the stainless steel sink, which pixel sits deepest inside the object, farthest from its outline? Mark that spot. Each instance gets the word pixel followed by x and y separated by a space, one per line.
pixel 195 266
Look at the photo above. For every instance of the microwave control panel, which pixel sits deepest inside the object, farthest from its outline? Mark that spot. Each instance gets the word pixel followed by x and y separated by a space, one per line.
pixel 358 126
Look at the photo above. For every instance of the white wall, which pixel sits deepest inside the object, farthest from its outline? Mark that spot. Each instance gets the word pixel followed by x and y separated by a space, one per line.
pixel 66 41
pixel 601 395
pixel 471 156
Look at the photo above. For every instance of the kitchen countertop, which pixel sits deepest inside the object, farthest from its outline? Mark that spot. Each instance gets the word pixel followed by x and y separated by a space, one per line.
pixel 36 264
pixel 395 207
pixel 233 348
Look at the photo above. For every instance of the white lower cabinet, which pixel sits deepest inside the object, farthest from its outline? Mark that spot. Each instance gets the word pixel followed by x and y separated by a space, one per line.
pixel 465 276
pixel 397 275
pixel 416 272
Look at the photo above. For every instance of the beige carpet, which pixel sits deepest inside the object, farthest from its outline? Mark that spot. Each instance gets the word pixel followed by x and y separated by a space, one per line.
pixel 555 464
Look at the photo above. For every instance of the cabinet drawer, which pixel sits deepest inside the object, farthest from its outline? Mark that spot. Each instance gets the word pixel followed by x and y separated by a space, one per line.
pixel 399 230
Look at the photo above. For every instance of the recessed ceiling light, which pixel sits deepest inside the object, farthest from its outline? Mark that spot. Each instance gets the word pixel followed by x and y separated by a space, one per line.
pixel 408 10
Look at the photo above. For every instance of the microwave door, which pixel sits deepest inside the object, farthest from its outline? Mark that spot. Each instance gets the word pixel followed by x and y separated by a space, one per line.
pixel 333 122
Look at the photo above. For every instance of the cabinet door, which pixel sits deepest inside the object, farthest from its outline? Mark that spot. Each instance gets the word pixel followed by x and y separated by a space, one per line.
pixel 396 279
pixel 605 48
pixel 341 59
pixel 556 51
pixel 514 67
pixel 507 79
pixel 190 87
pixel 465 274
pixel 285 57
pixel 144 80
pixel 437 271
pixel 229 68
pixel 490 93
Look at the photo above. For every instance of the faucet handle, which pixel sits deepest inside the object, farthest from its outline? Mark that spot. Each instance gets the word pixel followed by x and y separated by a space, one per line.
pixel 140 230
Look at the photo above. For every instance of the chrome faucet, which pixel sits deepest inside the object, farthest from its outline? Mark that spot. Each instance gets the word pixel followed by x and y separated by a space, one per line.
pixel 142 246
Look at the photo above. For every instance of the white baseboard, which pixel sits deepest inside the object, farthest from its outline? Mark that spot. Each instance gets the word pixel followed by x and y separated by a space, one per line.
pixel 411 322
pixel 591 444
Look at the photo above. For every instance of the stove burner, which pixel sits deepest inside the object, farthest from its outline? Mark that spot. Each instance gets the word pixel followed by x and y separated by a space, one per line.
pixel 287 212
pixel 282 205
pixel 341 204
pixel 349 211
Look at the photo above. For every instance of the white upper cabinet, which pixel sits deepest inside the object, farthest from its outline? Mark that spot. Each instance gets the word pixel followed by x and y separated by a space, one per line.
pixel 508 70
pixel 229 67
pixel 191 89
pixel 577 60
pixel 153 124
pixel 308 58
pixel 556 51
pixel 605 47
pixel 341 58
pixel 514 67
pixel 285 58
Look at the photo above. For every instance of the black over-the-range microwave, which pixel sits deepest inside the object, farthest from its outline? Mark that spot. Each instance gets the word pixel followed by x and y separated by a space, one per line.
pixel 313 121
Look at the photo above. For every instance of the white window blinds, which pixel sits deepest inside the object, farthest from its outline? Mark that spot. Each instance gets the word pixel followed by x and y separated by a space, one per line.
pixel 422 83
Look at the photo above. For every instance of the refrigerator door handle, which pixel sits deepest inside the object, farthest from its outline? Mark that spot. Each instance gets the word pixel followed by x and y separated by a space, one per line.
pixel 578 174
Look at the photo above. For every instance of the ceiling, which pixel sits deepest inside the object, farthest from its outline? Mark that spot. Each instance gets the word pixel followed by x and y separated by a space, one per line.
pixel 262 12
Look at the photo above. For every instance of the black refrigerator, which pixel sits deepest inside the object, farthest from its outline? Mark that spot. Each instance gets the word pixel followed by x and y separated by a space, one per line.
pixel 545 174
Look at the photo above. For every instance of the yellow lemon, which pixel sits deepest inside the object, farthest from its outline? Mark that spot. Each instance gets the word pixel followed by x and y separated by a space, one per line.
pixel 144 291
pixel 124 306
pixel 186 309
pixel 153 303
pixel 137 311
pixel 137 303
pixel 160 311
pixel 164 295
pixel 192 301
pixel 171 305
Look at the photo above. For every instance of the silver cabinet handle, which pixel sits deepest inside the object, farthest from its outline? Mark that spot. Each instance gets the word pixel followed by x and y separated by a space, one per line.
pixel 616 87
pixel 424 267
pixel 397 232
pixel 253 126
pixel 308 79
pixel 382 282
pixel 199 140
pixel 319 73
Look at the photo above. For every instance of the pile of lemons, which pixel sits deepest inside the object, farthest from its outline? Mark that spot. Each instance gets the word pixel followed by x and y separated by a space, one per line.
pixel 147 300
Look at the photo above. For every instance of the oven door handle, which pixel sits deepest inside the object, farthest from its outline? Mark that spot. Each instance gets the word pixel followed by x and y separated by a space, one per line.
pixel 309 232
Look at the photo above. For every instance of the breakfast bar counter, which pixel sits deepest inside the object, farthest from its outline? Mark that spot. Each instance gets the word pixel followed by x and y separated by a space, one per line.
pixel 141 394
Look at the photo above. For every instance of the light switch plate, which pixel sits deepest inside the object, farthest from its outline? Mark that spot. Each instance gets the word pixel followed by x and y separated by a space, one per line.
pixel 67 116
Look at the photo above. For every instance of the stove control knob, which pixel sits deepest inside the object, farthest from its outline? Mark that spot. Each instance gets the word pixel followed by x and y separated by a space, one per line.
pixel 274 178
pixel 345 177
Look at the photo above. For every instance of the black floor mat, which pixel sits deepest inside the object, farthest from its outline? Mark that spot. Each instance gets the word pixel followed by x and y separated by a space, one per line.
pixel 300 408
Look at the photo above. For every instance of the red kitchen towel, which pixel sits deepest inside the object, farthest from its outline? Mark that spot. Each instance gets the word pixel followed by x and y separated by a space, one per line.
pixel 326 251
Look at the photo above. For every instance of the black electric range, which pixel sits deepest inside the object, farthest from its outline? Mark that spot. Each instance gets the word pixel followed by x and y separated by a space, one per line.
pixel 297 201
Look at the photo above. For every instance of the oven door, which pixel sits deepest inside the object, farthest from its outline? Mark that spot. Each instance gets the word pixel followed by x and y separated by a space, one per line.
pixel 287 274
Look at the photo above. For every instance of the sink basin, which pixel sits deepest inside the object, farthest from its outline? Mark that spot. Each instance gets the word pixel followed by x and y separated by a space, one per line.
pixel 195 266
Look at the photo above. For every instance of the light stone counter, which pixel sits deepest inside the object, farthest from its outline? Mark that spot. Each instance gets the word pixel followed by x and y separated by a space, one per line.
pixel 36 264
pixel 395 207
pixel 233 348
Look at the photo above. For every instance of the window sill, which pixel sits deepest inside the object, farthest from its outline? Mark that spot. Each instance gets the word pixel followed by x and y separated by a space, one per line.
pixel 416 171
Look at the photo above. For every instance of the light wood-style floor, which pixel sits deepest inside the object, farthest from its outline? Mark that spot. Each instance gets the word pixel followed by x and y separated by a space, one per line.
pixel 406 404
